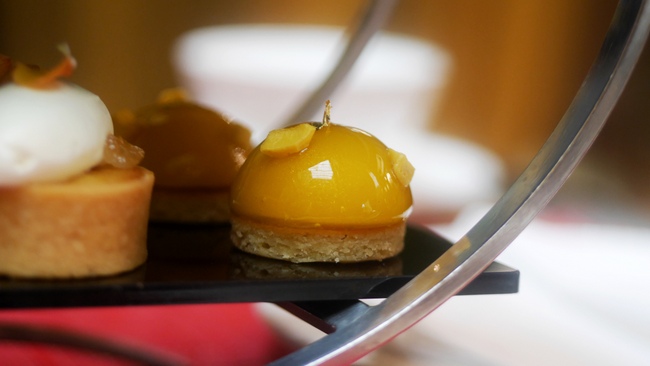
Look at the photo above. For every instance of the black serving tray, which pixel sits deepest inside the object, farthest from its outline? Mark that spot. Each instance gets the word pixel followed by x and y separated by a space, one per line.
pixel 198 264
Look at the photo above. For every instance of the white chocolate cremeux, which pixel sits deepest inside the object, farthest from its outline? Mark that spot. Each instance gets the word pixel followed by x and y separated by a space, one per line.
pixel 50 134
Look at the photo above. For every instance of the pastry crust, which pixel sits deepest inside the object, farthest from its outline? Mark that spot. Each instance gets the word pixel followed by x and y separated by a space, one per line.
pixel 300 245
pixel 184 205
pixel 249 266
pixel 91 225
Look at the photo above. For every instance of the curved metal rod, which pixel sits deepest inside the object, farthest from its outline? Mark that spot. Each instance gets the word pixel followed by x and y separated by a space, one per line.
pixel 375 16
pixel 25 333
pixel 510 215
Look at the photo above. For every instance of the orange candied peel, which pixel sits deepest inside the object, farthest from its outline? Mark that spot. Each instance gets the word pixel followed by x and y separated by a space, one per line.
pixel 173 95
pixel 402 168
pixel 293 139
pixel 287 141
pixel 33 77
pixel 121 154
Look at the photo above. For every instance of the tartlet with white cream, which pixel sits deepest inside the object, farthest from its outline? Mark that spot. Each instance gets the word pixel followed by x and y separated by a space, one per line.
pixel 73 201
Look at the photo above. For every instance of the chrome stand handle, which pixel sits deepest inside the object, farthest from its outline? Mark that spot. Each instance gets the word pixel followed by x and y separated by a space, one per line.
pixel 362 332
pixel 372 20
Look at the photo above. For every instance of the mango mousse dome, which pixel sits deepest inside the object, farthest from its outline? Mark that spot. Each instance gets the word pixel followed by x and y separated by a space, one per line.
pixel 195 153
pixel 73 201
pixel 322 192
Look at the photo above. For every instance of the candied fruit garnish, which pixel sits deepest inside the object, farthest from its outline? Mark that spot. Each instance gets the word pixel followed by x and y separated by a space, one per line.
pixel 402 168
pixel 33 77
pixel 173 95
pixel 287 141
pixel 121 154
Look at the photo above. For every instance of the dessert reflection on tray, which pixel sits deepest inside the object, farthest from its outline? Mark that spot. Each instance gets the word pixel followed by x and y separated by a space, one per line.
pixel 247 266
pixel 208 247
pixel 191 252
pixel 198 263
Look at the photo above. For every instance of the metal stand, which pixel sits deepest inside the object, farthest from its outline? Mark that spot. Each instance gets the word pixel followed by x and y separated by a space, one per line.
pixel 357 329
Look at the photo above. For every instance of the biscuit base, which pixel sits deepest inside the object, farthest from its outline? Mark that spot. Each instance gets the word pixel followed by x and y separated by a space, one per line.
pixel 190 206
pixel 301 245
pixel 250 266
pixel 89 226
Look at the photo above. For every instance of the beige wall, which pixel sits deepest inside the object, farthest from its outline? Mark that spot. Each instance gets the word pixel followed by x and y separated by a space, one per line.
pixel 517 63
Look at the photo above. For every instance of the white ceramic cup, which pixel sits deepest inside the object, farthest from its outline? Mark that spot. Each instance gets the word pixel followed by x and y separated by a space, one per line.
pixel 260 74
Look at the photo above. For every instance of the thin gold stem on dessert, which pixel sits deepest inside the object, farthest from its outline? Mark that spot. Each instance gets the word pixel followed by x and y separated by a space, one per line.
pixel 326 115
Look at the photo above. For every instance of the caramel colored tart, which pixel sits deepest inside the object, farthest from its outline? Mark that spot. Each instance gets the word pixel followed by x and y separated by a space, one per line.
pixel 195 153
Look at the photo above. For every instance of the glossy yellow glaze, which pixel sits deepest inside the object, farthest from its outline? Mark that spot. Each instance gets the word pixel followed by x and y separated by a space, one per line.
pixel 185 145
pixel 343 178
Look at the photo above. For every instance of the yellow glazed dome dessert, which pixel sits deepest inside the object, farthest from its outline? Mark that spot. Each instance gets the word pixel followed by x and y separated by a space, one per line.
pixel 194 152
pixel 322 193
pixel 73 202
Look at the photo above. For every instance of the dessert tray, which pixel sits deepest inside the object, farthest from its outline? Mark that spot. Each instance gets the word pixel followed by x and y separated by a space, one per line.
pixel 197 264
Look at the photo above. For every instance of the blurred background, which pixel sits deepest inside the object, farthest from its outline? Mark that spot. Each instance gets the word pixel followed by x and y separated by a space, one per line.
pixel 516 67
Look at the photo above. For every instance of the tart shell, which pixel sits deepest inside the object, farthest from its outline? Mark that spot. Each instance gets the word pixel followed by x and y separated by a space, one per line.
pixel 91 225
pixel 300 245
